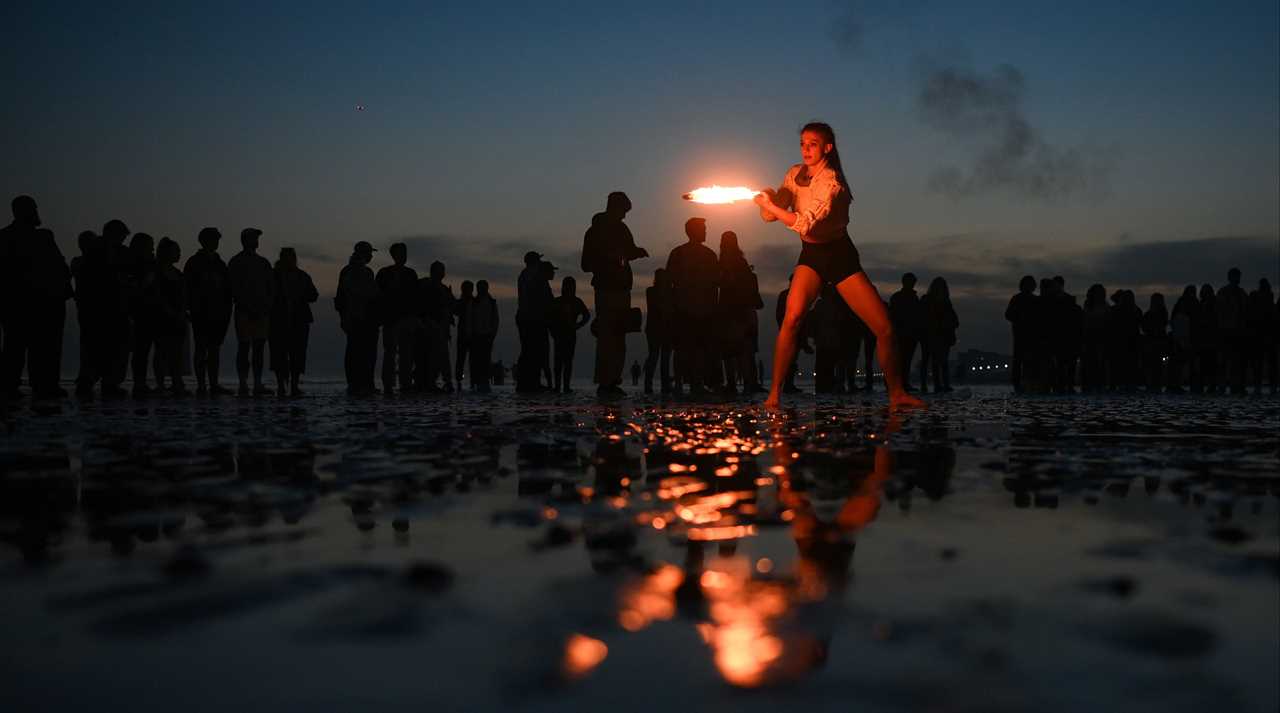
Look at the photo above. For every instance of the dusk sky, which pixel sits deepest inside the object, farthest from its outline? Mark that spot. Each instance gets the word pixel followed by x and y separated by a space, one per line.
pixel 1136 145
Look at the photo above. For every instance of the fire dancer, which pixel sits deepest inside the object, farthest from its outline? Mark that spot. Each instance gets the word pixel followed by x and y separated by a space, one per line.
pixel 814 202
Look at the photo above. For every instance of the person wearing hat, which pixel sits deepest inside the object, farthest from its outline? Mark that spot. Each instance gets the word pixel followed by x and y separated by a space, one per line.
pixel 209 304
pixel 694 271
pixel 253 288
pixel 607 251
pixel 355 302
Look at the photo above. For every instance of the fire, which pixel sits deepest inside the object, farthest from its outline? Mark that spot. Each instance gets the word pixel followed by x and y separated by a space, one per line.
pixel 720 194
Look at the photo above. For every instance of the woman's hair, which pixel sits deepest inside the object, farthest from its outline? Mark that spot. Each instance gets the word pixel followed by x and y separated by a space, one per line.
pixel 168 251
pixel 828 136
pixel 938 290
pixel 1096 296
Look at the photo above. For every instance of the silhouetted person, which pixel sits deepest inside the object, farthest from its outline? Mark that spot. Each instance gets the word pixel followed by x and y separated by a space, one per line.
pixel 1021 315
pixel 482 325
pixel 210 302
pixel 1207 339
pixel 397 299
pixel 940 325
pixel 908 326
pixel 824 318
pixel 437 309
pixel 739 298
pixel 466 294
pixel 852 333
pixel 49 282
pixel 291 320
pixel 1066 335
pixel 253 286
pixel 694 272
pixel 168 319
pixel 657 331
pixel 568 314
pixel 1155 347
pixel 355 302
pixel 119 266
pixel 548 273
pixel 1126 345
pixel 1259 316
pixel 142 307
pixel 1232 300
pixel 37 285
pixel 779 312
pixel 532 304
pixel 1182 319
pixel 88 243
pixel 1096 333
pixel 607 251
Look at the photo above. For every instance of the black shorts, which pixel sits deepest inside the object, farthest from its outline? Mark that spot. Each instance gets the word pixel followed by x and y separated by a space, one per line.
pixel 833 261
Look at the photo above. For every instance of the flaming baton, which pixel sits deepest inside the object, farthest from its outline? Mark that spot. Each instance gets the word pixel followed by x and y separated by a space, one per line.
pixel 714 195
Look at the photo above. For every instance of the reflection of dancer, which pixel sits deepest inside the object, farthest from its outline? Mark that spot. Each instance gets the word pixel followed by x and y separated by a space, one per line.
pixel 814 202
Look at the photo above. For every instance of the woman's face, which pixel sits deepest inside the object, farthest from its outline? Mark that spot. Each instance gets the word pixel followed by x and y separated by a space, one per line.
pixel 813 148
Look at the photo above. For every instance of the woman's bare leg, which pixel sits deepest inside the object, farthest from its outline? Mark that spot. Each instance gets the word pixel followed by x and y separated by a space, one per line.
pixel 863 298
pixel 804 290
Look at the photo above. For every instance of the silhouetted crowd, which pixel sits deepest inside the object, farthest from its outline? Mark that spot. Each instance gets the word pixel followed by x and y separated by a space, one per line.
pixel 143 317
pixel 1209 342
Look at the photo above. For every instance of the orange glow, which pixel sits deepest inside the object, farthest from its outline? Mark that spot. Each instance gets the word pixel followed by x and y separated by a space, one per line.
pixel 712 195
pixel 764 565
pixel 582 654
pixel 725 532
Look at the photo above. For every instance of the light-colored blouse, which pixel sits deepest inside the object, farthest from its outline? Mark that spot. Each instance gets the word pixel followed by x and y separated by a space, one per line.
pixel 821 205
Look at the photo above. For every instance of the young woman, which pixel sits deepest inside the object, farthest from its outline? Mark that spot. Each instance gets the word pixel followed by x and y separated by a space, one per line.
pixel 814 202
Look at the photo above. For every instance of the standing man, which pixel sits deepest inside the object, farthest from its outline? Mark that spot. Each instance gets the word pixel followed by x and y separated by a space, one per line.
pixel 1021 314
pixel 908 322
pixel 437 304
pixel 209 301
pixel 253 287
pixel 357 290
pixel 607 251
pixel 16 241
pixel 397 297
pixel 461 307
pixel 482 320
pixel 694 273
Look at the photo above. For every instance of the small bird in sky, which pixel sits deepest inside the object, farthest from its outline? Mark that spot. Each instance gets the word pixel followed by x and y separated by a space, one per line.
pixel 359 107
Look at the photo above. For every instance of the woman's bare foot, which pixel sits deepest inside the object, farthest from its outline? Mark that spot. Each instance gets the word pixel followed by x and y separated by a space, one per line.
pixel 902 399
pixel 772 402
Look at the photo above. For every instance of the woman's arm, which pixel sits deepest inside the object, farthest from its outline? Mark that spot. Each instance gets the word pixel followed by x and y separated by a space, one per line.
pixel 767 206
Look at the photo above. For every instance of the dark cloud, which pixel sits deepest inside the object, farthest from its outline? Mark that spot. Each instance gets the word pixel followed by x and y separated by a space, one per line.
pixel 985 111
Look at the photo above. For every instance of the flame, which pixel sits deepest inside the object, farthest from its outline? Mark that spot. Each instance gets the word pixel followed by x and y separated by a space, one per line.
pixel 720 194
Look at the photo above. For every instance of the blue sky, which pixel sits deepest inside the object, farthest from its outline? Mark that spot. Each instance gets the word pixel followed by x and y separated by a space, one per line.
pixel 490 127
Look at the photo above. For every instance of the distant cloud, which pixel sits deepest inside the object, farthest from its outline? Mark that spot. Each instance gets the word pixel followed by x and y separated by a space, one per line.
pixel 984 114
pixel 985 111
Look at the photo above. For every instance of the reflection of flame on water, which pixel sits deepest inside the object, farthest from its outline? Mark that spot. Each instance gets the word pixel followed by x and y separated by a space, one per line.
pixel 653 599
pixel 582 654
pixel 720 194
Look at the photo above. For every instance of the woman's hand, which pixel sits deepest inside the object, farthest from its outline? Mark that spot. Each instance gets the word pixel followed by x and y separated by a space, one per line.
pixel 764 199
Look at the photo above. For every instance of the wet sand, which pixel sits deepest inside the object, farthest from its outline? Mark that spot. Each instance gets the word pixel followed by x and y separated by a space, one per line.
pixel 551 553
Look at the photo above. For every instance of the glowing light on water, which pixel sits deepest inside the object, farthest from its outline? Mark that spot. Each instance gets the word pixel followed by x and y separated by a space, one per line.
pixel 582 654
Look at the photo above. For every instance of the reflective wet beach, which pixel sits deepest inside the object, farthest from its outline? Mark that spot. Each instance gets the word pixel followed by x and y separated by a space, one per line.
pixel 462 553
